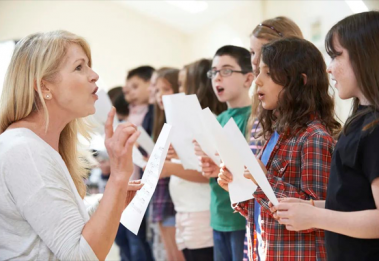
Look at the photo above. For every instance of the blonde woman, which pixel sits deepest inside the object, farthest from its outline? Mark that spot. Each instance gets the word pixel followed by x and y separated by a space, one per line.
pixel 49 88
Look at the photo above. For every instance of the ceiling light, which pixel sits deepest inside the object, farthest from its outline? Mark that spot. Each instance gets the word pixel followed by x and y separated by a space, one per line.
pixel 357 6
pixel 192 7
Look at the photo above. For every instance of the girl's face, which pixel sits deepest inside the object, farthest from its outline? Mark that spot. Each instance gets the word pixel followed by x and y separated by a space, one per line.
pixel 255 51
pixel 343 75
pixel 163 87
pixel 267 90
pixel 182 80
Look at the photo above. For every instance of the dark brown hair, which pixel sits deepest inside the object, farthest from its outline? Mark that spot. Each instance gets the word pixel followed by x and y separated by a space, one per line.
pixel 198 83
pixel 300 101
pixel 170 75
pixel 359 35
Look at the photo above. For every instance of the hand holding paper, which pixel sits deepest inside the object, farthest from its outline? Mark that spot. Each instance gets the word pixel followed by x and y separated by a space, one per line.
pixel 255 166
pixel 133 214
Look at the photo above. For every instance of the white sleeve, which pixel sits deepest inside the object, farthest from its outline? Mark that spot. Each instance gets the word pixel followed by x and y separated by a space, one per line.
pixel 43 196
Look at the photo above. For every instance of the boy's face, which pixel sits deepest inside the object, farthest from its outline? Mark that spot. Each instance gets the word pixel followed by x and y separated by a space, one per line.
pixel 229 88
pixel 136 91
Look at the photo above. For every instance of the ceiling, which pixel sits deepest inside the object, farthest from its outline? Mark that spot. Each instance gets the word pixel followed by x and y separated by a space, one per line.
pixel 181 19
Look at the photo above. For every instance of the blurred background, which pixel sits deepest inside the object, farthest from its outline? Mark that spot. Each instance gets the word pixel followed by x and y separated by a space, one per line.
pixel 126 34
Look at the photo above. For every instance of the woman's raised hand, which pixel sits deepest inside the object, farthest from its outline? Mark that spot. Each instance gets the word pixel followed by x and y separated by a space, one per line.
pixel 119 144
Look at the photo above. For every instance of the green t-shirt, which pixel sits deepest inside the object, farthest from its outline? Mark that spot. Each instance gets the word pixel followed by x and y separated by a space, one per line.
pixel 222 217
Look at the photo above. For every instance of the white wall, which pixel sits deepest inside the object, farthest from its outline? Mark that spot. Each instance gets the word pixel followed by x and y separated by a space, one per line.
pixel 304 13
pixel 234 29
pixel 120 39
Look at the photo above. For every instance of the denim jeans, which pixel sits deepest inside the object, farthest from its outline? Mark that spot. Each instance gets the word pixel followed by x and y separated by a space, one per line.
pixel 228 246
pixel 132 247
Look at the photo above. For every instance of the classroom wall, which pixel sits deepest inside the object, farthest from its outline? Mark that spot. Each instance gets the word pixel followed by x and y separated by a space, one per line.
pixel 306 13
pixel 234 29
pixel 120 38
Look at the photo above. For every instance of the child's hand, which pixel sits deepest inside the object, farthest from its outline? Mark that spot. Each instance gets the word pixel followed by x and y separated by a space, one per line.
pixel 133 187
pixel 198 151
pixel 248 175
pixel 209 168
pixel 224 177
pixel 295 216
pixel 274 209
pixel 171 153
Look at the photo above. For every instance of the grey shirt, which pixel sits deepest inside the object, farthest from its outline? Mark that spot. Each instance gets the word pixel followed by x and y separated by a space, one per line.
pixel 41 213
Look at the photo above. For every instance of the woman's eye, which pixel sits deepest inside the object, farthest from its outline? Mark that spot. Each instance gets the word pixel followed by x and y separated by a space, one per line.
pixel 78 68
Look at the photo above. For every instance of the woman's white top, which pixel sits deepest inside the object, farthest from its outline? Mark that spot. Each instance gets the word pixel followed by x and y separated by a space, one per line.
pixel 41 213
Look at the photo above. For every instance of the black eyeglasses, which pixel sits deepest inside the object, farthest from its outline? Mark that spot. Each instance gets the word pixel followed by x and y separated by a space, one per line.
pixel 223 72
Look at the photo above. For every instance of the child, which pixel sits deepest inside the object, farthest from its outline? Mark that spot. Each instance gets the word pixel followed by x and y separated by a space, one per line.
pixel 232 76
pixel 350 213
pixel 267 31
pixel 136 92
pixel 296 113
pixel 194 235
pixel 162 207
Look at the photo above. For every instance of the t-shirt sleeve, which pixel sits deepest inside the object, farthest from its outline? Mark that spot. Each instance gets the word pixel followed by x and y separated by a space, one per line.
pixel 370 154
pixel 43 196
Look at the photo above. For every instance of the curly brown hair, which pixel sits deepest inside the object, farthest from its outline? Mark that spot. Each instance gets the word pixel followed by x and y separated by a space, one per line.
pixel 301 99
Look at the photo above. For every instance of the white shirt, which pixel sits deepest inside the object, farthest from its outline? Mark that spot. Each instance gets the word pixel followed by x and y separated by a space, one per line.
pixel 41 213
pixel 189 196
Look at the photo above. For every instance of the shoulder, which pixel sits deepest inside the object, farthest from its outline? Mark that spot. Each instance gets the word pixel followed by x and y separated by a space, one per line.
pixel 316 131
pixel 22 153
pixel 18 143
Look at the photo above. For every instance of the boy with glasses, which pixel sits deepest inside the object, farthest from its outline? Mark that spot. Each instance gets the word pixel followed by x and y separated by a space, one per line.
pixel 232 76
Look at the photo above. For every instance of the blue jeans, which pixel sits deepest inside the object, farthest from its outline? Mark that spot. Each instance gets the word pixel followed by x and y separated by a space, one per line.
pixel 134 247
pixel 228 246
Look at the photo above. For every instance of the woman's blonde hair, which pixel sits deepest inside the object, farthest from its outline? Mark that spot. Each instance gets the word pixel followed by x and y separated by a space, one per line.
pixel 38 57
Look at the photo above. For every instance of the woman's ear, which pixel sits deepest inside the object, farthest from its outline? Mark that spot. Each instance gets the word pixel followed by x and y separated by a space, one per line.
pixel 305 78
pixel 46 93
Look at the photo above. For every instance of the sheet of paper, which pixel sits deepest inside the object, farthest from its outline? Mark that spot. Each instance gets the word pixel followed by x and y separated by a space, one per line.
pixel 198 127
pixel 145 141
pixel 133 214
pixel 138 158
pixel 177 115
pixel 103 105
pixel 249 159
pixel 240 189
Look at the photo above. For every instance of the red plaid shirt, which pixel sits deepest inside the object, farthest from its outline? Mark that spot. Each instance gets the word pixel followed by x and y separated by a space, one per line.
pixel 298 167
